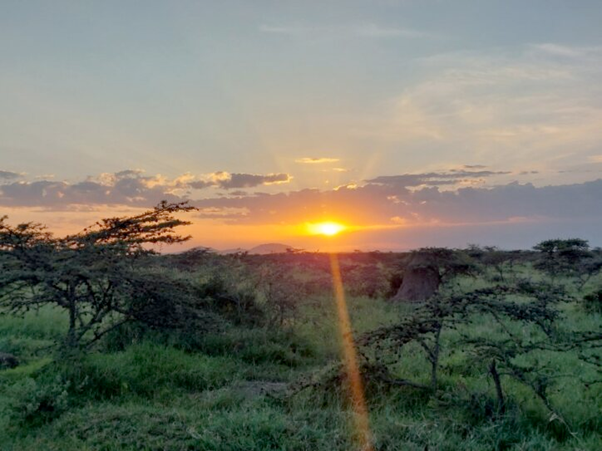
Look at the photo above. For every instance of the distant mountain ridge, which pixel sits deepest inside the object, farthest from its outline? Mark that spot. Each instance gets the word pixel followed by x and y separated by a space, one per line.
pixel 270 248
pixel 262 249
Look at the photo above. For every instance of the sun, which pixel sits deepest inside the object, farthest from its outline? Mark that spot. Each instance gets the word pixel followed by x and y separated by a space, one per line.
pixel 325 228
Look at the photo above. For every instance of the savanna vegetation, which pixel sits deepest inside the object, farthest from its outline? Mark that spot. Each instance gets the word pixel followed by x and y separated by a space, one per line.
pixel 106 344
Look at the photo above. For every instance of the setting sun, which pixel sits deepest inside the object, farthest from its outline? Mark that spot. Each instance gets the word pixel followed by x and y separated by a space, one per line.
pixel 325 228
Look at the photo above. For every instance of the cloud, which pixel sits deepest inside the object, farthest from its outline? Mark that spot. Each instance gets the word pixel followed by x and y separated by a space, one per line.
pixel 389 204
pixel 430 200
pixel 129 187
pixel 237 181
pixel 453 197
pixel 105 189
pixel 453 177
pixel 238 193
pixel 309 160
pixel 133 173
pixel 8 175
pixel 474 166
pixel 225 180
pixel 567 51
pixel 509 106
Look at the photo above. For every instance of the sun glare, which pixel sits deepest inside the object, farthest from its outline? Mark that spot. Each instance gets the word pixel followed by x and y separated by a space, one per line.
pixel 325 228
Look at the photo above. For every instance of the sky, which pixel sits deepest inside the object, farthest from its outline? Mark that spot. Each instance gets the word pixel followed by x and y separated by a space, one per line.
pixel 411 122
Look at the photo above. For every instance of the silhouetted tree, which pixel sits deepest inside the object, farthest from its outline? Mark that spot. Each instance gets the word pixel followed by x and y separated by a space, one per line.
pixel 571 257
pixel 102 277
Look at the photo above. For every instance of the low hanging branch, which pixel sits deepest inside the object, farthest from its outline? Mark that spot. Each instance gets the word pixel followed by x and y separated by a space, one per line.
pixel 532 305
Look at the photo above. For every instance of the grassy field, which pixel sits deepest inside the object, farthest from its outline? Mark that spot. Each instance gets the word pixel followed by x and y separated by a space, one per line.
pixel 234 389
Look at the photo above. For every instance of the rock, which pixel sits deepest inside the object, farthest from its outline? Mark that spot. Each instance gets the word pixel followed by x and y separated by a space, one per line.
pixel 421 280
pixel 8 360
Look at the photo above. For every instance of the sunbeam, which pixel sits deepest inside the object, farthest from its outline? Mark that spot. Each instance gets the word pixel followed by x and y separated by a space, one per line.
pixel 356 386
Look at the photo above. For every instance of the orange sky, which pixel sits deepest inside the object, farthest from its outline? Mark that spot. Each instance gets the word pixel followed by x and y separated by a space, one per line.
pixel 412 123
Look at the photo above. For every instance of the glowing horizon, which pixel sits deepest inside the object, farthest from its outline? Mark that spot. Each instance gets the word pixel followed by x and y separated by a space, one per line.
pixel 400 121
pixel 327 228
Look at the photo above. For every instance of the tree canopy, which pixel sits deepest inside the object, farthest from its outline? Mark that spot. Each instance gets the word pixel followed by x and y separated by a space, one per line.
pixel 101 276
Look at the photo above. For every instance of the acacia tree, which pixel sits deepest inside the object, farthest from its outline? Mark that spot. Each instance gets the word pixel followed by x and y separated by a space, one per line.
pixel 282 293
pixel 102 276
pixel 571 257
pixel 502 262
pixel 532 306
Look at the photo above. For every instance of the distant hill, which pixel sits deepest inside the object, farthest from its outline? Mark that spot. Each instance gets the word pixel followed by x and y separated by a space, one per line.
pixel 270 248
pixel 232 251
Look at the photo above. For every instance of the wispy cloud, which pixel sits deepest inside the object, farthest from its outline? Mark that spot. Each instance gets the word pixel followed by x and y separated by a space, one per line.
pixel 312 160
pixel 568 51
pixel 453 177
pixel 527 106
pixel 9 175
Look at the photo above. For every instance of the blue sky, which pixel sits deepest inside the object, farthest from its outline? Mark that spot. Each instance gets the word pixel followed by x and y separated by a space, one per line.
pixel 192 92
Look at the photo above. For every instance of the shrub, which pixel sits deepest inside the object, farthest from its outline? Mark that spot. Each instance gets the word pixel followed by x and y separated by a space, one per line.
pixel 371 280
pixel 35 402
pixel 592 302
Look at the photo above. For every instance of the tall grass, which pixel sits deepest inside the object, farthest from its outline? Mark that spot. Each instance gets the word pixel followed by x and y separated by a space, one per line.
pixel 227 390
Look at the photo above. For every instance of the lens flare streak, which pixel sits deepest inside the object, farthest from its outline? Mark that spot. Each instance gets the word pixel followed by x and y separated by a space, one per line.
pixel 356 388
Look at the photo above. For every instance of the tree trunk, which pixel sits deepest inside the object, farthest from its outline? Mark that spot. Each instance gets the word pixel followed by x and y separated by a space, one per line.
pixel 71 335
pixel 498 386
pixel 435 360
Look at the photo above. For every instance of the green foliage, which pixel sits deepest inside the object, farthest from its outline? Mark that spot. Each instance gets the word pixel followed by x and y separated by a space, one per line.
pixel 147 386
pixel 562 254
pixel 257 346
pixel 448 263
pixel 99 276
pixel 230 288
pixel 33 403
pixel 370 280
pixel 533 306
pixel 147 370
pixel 592 302
pixel 501 263
pixel 570 257
pixel 283 292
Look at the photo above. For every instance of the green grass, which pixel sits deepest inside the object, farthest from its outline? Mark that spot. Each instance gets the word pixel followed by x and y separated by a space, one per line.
pixel 214 391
